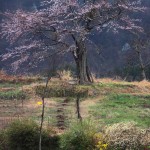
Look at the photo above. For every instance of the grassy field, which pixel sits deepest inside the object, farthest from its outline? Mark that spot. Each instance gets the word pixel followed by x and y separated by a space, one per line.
pixel 116 108
pixel 120 101
pixel 106 101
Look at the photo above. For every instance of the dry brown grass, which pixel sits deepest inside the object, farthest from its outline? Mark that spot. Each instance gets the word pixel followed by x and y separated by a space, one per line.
pixel 109 80
pixel 142 87
pixel 4 77
pixel 145 83
pixel 142 83
pixel 65 75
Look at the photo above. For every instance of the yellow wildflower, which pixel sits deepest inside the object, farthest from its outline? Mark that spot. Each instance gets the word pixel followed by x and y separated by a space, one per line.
pixel 98 135
pixel 105 145
pixel 39 103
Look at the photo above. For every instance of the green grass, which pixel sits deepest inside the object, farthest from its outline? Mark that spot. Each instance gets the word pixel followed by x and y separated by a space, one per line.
pixel 10 95
pixel 12 91
pixel 10 85
pixel 123 107
pixel 115 85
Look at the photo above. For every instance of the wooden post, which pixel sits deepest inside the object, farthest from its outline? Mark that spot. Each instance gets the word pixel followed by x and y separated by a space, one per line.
pixel 78 107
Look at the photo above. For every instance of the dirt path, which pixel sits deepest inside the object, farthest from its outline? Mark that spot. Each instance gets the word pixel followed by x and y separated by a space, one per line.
pixel 61 116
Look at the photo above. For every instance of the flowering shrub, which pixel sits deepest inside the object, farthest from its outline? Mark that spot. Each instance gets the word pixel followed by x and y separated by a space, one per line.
pixel 100 141
pixel 127 136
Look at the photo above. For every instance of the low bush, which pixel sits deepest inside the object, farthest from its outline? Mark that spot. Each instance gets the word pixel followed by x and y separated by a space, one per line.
pixel 127 136
pixel 24 135
pixel 64 90
pixel 10 95
pixel 79 137
pixel 3 140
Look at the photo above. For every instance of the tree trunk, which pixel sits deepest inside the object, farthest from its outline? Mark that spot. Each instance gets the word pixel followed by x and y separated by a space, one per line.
pixel 142 66
pixel 42 115
pixel 80 56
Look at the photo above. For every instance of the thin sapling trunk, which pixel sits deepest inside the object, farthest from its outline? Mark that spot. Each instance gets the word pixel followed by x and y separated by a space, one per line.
pixel 42 115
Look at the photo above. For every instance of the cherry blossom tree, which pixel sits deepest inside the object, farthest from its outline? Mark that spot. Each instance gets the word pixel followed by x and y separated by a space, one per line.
pixel 61 26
